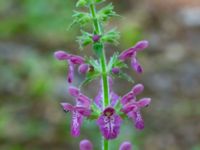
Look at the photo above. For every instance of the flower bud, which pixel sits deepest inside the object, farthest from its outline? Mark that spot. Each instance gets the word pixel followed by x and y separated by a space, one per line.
pixel 95 38
pixel 86 145
pixel 83 68
pixel 115 70
pixel 126 146
pixel 61 55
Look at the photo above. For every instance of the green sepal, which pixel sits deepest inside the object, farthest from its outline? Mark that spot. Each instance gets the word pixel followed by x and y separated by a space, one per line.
pixel 98 47
pixel 99 1
pixel 111 37
pixel 94 63
pixel 106 12
pixel 81 3
pixel 85 39
pixel 81 18
pixel 115 62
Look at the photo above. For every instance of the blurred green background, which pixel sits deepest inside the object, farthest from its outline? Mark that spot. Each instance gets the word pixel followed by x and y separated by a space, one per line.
pixel 33 83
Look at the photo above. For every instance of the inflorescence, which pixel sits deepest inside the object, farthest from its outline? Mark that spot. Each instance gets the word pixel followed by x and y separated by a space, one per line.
pixel 108 109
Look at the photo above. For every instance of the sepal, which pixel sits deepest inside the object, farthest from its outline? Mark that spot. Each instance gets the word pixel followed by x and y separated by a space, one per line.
pixel 85 39
pixel 111 37
pixel 106 12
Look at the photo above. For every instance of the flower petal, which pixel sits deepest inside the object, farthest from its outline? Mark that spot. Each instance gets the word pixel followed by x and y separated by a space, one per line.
pixel 144 102
pixel 86 145
pixel 129 107
pixel 126 146
pixel 137 118
pixel 73 91
pixel 61 55
pixel 76 59
pixel 126 54
pixel 67 106
pixel 141 45
pixel 83 101
pixel 70 76
pixel 129 97
pixel 109 124
pixel 136 65
pixel 137 89
pixel 76 122
pixel 83 111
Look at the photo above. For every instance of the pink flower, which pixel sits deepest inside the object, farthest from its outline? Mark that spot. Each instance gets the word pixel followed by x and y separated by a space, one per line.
pixel 132 53
pixel 72 60
pixel 132 107
pixel 79 111
pixel 109 123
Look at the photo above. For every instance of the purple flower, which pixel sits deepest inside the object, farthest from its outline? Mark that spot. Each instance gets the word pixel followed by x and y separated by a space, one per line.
pixel 83 68
pixel 81 99
pixel 72 60
pixel 113 96
pixel 86 145
pixel 132 53
pixel 132 107
pixel 78 113
pixel 126 146
pixel 109 123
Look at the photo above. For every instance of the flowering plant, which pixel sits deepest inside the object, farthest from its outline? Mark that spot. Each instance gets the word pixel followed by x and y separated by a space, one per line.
pixel 107 109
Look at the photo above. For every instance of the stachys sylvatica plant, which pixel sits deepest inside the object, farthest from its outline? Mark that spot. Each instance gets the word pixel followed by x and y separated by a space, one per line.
pixel 107 109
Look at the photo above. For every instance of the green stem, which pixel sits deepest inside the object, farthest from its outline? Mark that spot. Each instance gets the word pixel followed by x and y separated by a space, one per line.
pixel 105 86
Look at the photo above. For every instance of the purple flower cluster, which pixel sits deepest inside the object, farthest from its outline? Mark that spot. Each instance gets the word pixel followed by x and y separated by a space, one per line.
pixel 109 118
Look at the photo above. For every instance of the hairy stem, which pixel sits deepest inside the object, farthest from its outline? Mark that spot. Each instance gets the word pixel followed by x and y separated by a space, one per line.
pixel 105 86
